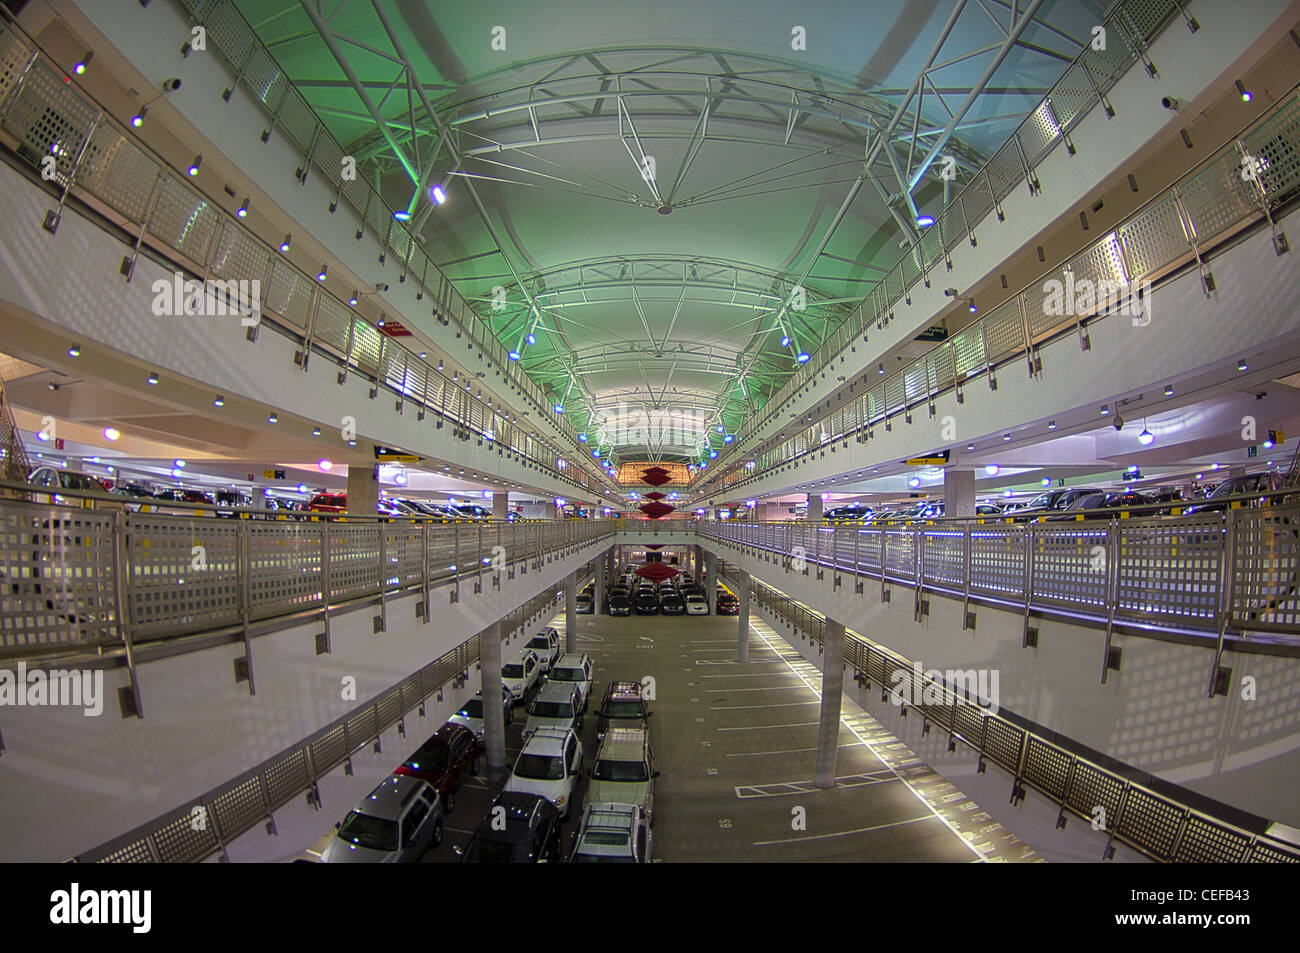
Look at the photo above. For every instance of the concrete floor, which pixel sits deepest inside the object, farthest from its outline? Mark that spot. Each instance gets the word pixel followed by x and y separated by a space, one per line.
pixel 736 748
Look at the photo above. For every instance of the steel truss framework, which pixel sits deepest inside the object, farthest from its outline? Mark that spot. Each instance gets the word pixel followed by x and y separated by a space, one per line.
pixel 497 126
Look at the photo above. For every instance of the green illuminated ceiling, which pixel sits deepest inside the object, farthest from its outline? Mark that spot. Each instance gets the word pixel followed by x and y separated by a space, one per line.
pixel 644 188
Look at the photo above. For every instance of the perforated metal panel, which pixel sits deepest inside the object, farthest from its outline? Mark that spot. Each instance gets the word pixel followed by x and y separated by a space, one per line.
pixel 1004 171
pixel 296 119
pixel 976 201
pixel 228 31
pixel 183 574
pixel 1092 788
pixel 236 254
pixel 1266 576
pixel 1218 197
pixel 366 342
pixel 178 842
pixel 1146 17
pixel 968 723
pixel 1205 842
pixel 915 384
pixel 1171 571
pixel 900 553
pixel 1276 146
pixel 1270 854
pixel 997 557
pixel 264 80
pixel 1047 768
pixel 1072 96
pixel 286 776
pixel 894 395
pixel 288 294
pixel 49 118
pixel 1150 822
pixel 1004 332
pixel 13 59
pixel 58 569
pixel 182 219
pixel 968 348
pixel 331 324
pixel 943 556
pixel 285 562
pixel 118 172
pixel 1155 239
pixel 1003 742
pixel 354 559
pixel 1038 133
pixel 240 806
pixel 1071 565
pixel 1046 307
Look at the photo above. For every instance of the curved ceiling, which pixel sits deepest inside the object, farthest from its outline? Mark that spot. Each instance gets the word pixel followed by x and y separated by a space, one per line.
pixel 659 206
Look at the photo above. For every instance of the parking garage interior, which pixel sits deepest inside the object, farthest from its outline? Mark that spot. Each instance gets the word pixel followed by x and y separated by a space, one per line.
pixel 859 434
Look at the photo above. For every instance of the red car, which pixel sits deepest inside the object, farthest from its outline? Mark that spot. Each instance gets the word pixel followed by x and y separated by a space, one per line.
pixel 727 604
pixel 445 761
pixel 329 503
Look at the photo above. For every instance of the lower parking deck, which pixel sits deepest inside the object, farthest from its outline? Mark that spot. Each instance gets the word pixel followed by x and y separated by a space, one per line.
pixel 736 746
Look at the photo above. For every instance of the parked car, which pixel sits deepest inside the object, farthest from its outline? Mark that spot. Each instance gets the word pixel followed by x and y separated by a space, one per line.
pixel 557 705
pixel 585 604
pixel 471 714
pixel 727 604
pixel 647 603
pixel 620 604
pixel 622 707
pixel 445 761
pixel 849 512
pixel 672 604
pixel 696 604
pixel 518 828
pixel 57 478
pixel 1239 486
pixel 550 764
pixel 546 643
pixel 396 823
pixel 572 668
pixel 328 503
pixel 613 834
pixel 1053 501
pixel 624 770
pixel 472 511
pixel 521 674
pixel 1102 505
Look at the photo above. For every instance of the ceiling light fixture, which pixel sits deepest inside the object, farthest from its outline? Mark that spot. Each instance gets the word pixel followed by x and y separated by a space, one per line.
pixel 324 270
pixel 82 63
pixel 138 119
pixel 193 170
pixel 74 351
pixel 219 401
pixel 152 378
pixel 242 211
pixel 1245 93
pixel 438 194
pixel 284 245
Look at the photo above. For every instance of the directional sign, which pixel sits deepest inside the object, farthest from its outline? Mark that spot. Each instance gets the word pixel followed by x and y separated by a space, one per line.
pixel 389 455
pixel 934 460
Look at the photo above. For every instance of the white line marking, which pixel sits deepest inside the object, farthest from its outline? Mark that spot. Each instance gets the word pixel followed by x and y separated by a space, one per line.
pixel 860 830
pixel 873 750
pixel 815 701
pixel 753 675
pixel 802 724
pixel 755 754
pixel 772 688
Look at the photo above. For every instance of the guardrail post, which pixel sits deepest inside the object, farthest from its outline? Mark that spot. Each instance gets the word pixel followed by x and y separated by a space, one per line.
pixel 478 558
pixel 1112 591
pixel 326 587
pixel 857 562
pixel 1028 637
pixel 381 623
pixel 122 580
pixel 245 598
pixel 1227 592
pixel 965 575
pixel 455 562
pixel 424 571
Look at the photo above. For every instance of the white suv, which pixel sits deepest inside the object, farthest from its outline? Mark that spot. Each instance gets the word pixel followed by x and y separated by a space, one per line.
pixel 557 705
pixel 521 673
pixel 574 669
pixel 546 644
pixel 549 765
pixel 613 834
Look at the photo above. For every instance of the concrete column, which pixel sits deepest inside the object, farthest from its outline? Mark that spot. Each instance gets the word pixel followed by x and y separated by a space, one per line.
pixel 828 731
pixel 500 505
pixel 699 563
pixel 598 600
pixel 814 508
pixel 571 612
pixel 958 492
pixel 494 721
pixel 710 579
pixel 742 635
pixel 363 489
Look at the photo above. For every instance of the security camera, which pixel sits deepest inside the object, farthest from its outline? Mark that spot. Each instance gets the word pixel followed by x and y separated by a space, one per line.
pixel 381 286
pixel 1118 423
pixel 1170 103
pixel 170 85
pixel 950 292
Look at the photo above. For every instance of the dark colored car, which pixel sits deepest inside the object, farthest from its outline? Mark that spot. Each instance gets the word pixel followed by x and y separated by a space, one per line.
pixel 530 833
pixel 445 761
pixel 1239 486
pixel 1102 505
pixel 647 603
pixel 620 604
pixel 1054 501
pixel 672 604
pixel 727 604
pixel 622 707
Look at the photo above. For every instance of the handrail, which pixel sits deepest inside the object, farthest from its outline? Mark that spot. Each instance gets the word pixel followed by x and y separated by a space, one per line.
pixel 95 158
pixel 237 806
pixel 1206 575
pixel 1182 224
pixel 1138 809
pixel 1130 27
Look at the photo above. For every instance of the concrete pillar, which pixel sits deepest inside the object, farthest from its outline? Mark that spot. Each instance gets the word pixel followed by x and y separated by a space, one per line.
pixel 958 492
pixel 598 599
pixel 710 579
pixel 363 489
pixel 699 563
pixel 571 612
pixel 494 721
pixel 500 505
pixel 742 634
pixel 814 508
pixel 828 731
pixel 1236 470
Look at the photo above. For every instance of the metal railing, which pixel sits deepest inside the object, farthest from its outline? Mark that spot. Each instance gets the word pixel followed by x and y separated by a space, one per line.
pixel 238 805
pixel 1130 28
pixel 1242 184
pixel 1206 574
pixel 77 579
pixel 99 163
pixel 1136 813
